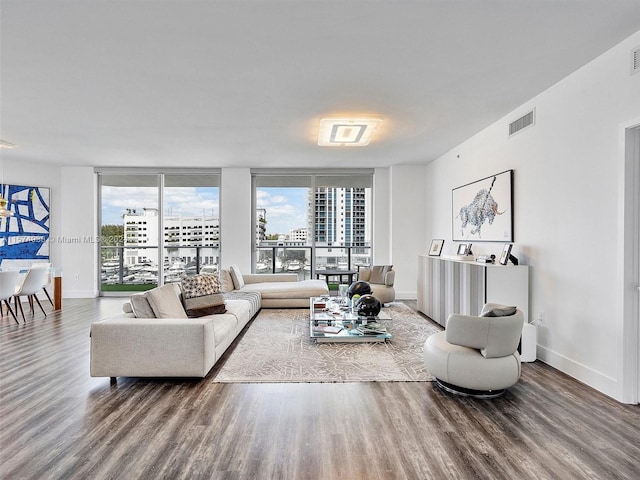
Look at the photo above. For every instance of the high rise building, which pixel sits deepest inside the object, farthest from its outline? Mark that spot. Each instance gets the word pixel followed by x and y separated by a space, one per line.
pixel 261 225
pixel 342 216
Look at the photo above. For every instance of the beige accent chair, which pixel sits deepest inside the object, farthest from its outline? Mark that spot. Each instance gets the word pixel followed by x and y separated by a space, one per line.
pixel 477 356
pixel 381 278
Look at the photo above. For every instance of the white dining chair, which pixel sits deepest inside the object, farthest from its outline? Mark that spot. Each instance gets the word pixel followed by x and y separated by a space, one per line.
pixel 31 285
pixel 8 284
pixel 47 278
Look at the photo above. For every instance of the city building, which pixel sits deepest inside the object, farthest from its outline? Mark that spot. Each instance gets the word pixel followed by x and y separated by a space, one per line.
pixel 185 238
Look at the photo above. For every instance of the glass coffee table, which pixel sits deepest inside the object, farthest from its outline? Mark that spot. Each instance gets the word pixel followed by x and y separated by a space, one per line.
pixel 331 321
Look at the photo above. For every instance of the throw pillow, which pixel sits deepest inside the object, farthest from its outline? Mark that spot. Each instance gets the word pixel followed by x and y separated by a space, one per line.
pixel 378 273
pixel 497 310
pixel 236 276
pixel 126 307
pixel 165 302
pixel 199 285
pixel 205 305
pixel 225 280
pixel 141 306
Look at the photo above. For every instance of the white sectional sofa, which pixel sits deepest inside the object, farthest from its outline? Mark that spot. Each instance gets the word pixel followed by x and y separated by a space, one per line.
pixel 282 290
pixel 130 345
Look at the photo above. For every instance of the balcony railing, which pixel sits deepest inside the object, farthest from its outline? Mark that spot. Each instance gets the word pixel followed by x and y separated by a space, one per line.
pixel 137 268
pixel 125 269
pixel 306 260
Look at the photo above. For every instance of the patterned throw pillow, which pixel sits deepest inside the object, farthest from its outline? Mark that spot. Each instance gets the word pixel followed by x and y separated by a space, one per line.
pixel 201 295
pixel 199 285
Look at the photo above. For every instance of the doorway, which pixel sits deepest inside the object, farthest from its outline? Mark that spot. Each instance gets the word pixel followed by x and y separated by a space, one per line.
pixel 630 261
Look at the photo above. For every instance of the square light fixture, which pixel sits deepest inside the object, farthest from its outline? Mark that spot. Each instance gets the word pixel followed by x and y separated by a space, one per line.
pixel 347 132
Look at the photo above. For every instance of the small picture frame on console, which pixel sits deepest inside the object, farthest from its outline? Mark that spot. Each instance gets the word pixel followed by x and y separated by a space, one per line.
pixel 463 249
pixel 436 247
pixel 506 253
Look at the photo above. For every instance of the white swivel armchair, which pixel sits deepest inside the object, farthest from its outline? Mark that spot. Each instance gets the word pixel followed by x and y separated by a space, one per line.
pixel 477 356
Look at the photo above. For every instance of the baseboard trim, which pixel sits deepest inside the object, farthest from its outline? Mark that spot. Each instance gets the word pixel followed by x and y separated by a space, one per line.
pixel 597 380
pixel 79 294
pixel 406 295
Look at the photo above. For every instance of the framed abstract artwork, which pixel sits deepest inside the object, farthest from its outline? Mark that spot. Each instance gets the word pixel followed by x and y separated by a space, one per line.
pixel 483 210
pixel 25 235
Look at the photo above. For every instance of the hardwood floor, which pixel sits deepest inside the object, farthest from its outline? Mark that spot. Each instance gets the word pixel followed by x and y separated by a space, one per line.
pixel 56 422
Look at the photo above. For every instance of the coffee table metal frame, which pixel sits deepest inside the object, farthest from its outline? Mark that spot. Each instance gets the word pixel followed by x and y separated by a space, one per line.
pixel 334 314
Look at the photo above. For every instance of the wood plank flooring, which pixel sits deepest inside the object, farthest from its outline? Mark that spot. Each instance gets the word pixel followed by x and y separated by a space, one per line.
pixel 56 422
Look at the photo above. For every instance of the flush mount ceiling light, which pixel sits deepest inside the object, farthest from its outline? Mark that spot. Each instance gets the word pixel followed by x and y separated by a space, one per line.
pixel 347 132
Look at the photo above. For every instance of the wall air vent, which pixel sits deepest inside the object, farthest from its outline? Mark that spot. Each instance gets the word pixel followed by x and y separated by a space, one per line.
pixel 635 61
pixel 523 122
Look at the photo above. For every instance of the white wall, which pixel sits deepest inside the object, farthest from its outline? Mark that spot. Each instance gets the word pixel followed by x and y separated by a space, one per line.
pixel 236 231
pixel 381 244
pixel 79 232
pixel 566 198
pixel 408 200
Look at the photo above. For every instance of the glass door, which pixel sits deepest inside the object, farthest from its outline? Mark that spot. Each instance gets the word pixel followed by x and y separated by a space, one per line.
pixel 191 225
pixel 129 233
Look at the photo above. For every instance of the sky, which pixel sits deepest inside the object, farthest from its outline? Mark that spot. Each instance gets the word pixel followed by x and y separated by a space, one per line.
pixel 286 207
pixel 185 201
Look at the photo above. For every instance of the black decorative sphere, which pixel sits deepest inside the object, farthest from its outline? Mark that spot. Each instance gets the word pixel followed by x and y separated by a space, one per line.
pixel 358 288
pixel 368 306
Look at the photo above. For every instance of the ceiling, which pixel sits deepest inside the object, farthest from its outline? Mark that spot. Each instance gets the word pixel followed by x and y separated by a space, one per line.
pixel 245 83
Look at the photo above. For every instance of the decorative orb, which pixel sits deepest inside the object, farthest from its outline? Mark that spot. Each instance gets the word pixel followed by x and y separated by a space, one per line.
pixel 368 306
pixel 358 288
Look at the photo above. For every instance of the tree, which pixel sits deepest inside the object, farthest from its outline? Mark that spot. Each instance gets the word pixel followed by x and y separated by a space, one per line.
pixel 112 235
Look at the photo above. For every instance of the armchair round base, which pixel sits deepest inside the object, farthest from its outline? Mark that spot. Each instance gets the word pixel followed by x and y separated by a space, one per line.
pixel 464 368
pixel 468 392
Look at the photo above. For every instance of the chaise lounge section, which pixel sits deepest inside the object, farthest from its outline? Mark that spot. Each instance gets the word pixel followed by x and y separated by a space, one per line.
pixel 282 290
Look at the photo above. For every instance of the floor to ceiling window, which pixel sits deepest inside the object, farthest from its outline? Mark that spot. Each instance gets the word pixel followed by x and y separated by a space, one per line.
pixel 191 229
pixel 156 227
pixel 307 221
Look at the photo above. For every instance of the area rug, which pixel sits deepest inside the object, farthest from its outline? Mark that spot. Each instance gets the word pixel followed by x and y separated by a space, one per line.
pixel 276 348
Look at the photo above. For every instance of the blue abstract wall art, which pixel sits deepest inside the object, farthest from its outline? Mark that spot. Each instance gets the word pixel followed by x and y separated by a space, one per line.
pixel 25 235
